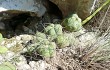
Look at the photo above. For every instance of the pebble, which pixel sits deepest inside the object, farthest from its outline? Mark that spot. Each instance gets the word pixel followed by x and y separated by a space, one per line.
pixel 40 65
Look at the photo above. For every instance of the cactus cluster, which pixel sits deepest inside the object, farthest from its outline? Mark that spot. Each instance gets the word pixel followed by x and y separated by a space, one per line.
pixel 43 45
pixel 54 36
pixel 47 49
pixel 62 41
pixel 54 30
pixel 72 23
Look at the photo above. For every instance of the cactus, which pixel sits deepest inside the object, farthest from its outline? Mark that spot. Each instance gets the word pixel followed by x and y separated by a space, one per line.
pixel 62 41
pixel 54 30
pixel 43 46
pixel 3 50
pixel 47 49
pixel 73 23
pixel 40 37
pixel 7 66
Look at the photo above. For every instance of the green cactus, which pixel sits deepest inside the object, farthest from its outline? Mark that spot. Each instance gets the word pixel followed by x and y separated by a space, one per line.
pixel 54 30
pixel 43 45
pixel 47 49
pixel 3 49
pixel 62 41
pixel 40 37
pixel 73 23
pixel 58 29
pixel 7 66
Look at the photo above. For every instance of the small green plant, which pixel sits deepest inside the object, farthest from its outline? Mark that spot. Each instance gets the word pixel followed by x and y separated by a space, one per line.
pixel 7 66
pixel 3 50
pixel 43 46
pixel 62 41
pixel 54 30
pixel 72 23
pixel 40 37
pixel 47 49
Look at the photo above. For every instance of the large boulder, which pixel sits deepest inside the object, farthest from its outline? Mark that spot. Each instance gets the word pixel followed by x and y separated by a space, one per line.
pixel 82 7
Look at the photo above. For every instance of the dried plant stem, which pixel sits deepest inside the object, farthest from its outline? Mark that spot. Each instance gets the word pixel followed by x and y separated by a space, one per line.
pixel 91 16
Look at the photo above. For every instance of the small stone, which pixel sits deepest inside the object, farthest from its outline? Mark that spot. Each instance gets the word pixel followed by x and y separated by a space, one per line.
pixel 26 38
pixel 22 64
pixel 23 67
pixel 1 59
pixel 9 55
pixel 18 38
pixel 11 44
pixel 22 58
pixel 40 65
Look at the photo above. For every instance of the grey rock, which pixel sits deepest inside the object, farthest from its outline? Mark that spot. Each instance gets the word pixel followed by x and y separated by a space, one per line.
pixel 22 5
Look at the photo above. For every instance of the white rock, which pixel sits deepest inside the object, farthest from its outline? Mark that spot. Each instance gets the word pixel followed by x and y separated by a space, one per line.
pixel 22 60
pixel 24 67
pixel 9 55
pixel 1 59
pixel 18 38
pixel 11 44
pixel 26 38
pixel 40 65
pixel 87 38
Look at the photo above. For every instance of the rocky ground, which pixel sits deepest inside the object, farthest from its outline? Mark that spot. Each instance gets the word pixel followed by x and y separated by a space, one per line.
pixel 88 50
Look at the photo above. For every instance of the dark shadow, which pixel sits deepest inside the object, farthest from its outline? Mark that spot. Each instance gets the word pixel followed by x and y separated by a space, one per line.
pixel 18 24
pixel 59 68
pixel 33 56
pixel 52 9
